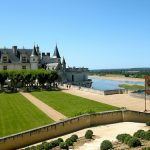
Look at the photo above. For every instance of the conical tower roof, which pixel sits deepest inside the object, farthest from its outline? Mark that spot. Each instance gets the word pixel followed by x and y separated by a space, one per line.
pixel 56 52
pixel 34 52
pixel 63 61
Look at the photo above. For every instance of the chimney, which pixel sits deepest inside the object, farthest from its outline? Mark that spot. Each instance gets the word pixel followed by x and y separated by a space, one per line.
pixel 43 54
pixel 14 48
pixel 48 54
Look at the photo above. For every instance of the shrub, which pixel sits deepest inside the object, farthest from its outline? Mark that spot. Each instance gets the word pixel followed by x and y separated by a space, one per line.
pixel 121 137
pixel 134 142
pixel 127 138
pixel 105 145
pixel 74 138
pixel 89 134
pixel 147 135
pixel 45 145
pixel 60 140
pixel 40 147
pixel 63 145
pixel 53 144
pixel 148 123
pixel 140 134
pixel 69 142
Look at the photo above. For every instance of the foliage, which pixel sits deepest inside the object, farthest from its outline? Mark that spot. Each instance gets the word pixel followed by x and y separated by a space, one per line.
pixel 63 103
pixel 89 134
pixel 131 87
pixel 69 142
pixel 27 78
pixel 60 140
pixel 105 145
pixel 148 123
pixel 127 138
pixel 133 72
pixel 147 135
pixel 74 138
pixel 121 137
pixel 134 142
pixel 140 134
pixel 23 116
pixel 63 145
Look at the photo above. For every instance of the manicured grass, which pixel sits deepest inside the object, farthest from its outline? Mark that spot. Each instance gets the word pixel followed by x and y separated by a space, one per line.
pixel 131 87
pixel 18 114
pixel 71 105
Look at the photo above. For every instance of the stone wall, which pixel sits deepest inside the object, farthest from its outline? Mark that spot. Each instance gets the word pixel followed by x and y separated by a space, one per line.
pixel 106 92
pixel 70 125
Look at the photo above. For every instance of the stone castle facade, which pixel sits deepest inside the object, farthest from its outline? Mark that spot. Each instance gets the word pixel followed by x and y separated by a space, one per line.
pixel 15 59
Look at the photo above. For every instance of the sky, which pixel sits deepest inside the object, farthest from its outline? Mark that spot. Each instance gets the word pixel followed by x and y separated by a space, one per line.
pixel 98 34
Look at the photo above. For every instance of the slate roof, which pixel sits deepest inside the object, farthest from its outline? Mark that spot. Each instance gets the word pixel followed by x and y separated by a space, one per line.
pixel 56 53
pixel 34 52
pixel 15 58
pixel 63 61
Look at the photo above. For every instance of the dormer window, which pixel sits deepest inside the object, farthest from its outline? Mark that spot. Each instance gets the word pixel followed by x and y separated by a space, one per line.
pixel 24 59
pixel 5 59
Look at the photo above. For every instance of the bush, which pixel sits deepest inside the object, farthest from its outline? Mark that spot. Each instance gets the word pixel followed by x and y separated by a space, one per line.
pixel 148 123
pixel 134 142
pixel 147 135
pixel 140 134
pixel 127 138
pixel 60 140
pixel 45 145
pixel 105 145
pixel 74 138
pixel 69 142
pixel 89 134
pixel 63 145
pixel 121 137
pixel 54 143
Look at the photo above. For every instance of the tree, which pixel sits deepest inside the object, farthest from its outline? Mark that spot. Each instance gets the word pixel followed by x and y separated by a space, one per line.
pixel 3 77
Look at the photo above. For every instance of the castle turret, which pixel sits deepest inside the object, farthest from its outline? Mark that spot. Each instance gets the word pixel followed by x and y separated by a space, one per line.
pixel 56 55
pixel 63 64
pixel 34 59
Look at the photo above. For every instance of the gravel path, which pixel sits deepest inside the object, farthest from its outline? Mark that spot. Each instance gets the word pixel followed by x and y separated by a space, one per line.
pixel 49 111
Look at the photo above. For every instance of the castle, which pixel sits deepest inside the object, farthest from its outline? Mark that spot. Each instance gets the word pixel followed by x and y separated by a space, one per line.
pixel 15 59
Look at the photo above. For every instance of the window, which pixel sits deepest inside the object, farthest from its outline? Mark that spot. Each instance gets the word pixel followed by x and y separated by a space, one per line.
pixel 23 67
pixel 4 67
pixel 4 58
pixel 24 59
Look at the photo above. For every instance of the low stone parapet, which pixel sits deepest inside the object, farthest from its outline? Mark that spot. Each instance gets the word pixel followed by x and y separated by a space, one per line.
pixel 70 125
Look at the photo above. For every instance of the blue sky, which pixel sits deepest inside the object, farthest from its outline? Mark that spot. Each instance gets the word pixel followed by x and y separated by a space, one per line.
pixel 91 33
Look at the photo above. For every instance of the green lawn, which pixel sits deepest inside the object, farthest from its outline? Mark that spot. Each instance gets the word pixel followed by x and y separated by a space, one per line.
pixel 71 105
pixel 18 114
pixel 131 87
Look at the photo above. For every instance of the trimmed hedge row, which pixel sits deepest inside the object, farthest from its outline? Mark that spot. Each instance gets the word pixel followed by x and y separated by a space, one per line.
pixel 142 134
pixel 129 140
pixel 106 145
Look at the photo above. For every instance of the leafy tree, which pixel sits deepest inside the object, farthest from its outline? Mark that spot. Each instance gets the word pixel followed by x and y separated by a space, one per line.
pixel 3 77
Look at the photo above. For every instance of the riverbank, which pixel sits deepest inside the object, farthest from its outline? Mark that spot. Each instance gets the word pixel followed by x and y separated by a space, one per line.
pixel 116 78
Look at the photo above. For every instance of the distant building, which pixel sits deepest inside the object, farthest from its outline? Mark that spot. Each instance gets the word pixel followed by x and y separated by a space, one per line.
pixel 15 59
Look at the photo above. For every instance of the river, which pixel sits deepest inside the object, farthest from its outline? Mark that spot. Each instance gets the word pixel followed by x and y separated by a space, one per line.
pixel 103 84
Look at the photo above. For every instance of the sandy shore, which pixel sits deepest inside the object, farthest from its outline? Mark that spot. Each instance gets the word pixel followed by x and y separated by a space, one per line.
pixel 116 78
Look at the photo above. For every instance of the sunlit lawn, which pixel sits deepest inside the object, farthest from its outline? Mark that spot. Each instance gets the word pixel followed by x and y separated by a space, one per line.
pixel 71 105
pixel 18 114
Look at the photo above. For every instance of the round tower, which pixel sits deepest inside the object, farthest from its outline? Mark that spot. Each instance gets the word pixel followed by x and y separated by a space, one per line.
pixel 34 59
